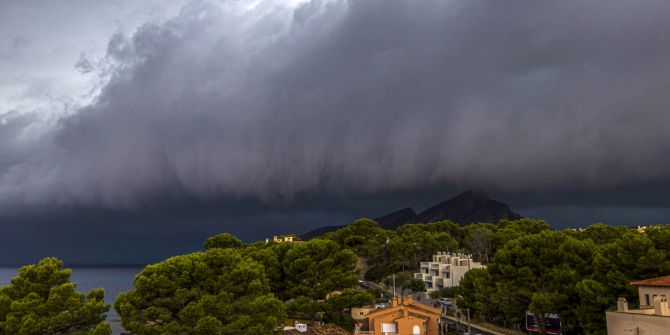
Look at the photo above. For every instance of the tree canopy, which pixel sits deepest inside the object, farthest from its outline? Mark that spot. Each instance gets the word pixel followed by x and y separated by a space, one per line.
pixel 576 274
pixel 234 288
pixel 214 292
pixel 222 241
pixel 42 300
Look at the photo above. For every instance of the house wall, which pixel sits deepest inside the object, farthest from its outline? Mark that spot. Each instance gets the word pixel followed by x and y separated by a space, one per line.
pixel 406 325
pixel 651 291
pixel 405 314
pixel 360 316
pixel 619 323
pixel 377 322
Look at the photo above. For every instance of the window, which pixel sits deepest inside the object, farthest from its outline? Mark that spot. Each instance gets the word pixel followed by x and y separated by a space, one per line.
pixel 416 330
pixel 388 328
pixel 361 313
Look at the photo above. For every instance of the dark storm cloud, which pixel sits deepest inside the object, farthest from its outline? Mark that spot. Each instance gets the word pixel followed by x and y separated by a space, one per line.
pixel 355 97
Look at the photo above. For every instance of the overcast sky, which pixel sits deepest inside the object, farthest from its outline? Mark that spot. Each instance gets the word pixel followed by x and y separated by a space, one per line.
pixel 131 131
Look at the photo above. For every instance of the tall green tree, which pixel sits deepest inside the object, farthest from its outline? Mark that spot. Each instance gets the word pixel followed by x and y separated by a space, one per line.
pixel 475 290
pixel 338 306
pixel 633 256
pixel 219 291
pixel 364 236
pixel 42 300
pixel 538 271
pixel 311 269
pixel 316 268
pixel 222 241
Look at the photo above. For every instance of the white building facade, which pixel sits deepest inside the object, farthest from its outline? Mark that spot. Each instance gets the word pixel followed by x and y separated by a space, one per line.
pixel 446 270
pixel 653 316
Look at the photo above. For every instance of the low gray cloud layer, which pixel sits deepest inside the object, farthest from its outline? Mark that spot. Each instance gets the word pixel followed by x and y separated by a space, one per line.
pixel 356 97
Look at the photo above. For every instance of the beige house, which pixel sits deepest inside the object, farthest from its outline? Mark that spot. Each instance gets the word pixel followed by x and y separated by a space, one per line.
pixel 281 239
pixel 446 270
pixel 652 318
pixel 404 317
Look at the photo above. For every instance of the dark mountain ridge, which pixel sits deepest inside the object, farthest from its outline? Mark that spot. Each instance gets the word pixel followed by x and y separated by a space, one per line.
pixel 468 207
pixel 397 218
pixel 465 208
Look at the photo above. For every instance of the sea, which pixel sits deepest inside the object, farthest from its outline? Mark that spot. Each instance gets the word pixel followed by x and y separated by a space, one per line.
pixel 113 279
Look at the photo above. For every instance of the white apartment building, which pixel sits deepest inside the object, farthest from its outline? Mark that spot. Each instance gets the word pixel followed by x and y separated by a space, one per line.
pixel 446 270
pixel 653 316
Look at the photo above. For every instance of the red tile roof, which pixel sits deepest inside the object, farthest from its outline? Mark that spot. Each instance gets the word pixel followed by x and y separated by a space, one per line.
pixel 658 281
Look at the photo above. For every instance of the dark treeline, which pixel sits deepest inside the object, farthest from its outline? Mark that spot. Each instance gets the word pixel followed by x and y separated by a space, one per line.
pixel 236 288
pixel 392 251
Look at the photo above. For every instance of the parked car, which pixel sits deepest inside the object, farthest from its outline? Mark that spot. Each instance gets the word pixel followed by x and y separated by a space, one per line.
pixel 444 301
pixel 382 305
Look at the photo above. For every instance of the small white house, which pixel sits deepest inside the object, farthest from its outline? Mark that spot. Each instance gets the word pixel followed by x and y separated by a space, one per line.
pixel 301 327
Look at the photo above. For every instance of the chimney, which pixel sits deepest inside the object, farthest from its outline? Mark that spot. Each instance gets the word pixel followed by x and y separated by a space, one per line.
pixel 661 306
pixel 622 305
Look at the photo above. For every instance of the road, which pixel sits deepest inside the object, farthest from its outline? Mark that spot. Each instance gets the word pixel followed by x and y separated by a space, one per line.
pixel 463 327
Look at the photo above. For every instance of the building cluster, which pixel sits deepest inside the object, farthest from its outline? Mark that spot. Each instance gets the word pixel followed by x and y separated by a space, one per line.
pixel 408 316
pixel 445 270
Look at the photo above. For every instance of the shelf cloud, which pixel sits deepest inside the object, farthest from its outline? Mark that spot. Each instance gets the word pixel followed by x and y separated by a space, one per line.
pixel 270 101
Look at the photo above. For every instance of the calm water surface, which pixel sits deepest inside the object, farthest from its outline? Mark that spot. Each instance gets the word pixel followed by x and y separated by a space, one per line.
pixel 113 280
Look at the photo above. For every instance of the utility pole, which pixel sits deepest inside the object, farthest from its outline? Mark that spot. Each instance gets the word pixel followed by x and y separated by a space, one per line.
pixel 458 321
pixel 469 331
pixel 394 286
